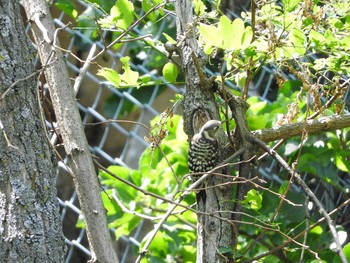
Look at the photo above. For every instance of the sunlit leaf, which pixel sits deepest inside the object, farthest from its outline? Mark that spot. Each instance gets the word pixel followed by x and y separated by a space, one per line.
pixel 316 230
pixel 111 75
pixel 346 251
pixel 290 5
pixel 342 161
pixel 199 7
pixel 169 38
pixel 298 39
pixel 129 77
pixel 225 29
pixel 147 5
pixel 68 7
pixel 124 225
pixel 210 35
pixel 122 14
pixel 316 37
pixel 331 41
pixel 170 72
pixel 237 33
pixel 253 199
pixel 345 42
pixel 247 37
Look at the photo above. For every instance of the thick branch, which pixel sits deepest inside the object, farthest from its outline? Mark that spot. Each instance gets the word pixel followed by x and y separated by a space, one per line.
pixel 71 128
pixel 200 106
pixel 319 125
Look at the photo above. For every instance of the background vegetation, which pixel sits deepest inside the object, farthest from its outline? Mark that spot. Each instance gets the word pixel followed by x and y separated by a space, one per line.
pixel 306 43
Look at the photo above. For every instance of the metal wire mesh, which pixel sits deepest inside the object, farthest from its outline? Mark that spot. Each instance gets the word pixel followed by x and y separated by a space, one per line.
pixel 122 144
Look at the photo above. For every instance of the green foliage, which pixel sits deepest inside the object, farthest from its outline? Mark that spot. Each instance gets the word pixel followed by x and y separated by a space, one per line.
pixel 170 72
pixel 68 7
pixel 121 15
pixel 253 199
pixel 176 240
pixel 286 36
pixel 221 36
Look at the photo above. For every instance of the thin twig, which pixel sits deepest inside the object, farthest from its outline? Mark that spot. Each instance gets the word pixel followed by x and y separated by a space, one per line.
pixel 307 191
pixel 44 31
pixel 127 210
pixel 142 190
pixel 201 75
pixel 154 139
pixel 307 227
pixel 17 81
pixel 84 69
pixel 280 247
pixel 330 101
pixel 228 132
pixel 118 39
pixel 174 204
pixel 250 60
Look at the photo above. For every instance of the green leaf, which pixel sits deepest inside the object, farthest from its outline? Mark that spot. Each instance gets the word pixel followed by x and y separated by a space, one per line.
pixel 290 5
pixel 345 42
pixel 68 7
pixel 298 39
pixel 247 37
pixel 253 199
pixel 316 230
pixel 161 244
pixel 189 253
pixel 170 72
pixel 237 32
pixel 225 29
pixel 124 225
pixel 124 192
pixel 331 41
pixel 317 38
pixel 111 75
pixel 227 35
pixel 122 13
pixel 346 251
pixel 147 5
pixel 335 22
pixel 210 35
pixel 109 205
pixel 169 38
pixel 342 162
pixel 256 105
pixel 321 63
pixel 232 33
pixel 129 77
pixel 199 7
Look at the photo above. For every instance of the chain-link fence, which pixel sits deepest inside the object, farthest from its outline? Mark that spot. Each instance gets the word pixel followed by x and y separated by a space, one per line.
pixel 122 143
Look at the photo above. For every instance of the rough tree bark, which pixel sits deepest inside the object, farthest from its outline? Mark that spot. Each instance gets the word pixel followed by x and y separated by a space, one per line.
pixel 214 236
pixel 30 227
pixel 72 131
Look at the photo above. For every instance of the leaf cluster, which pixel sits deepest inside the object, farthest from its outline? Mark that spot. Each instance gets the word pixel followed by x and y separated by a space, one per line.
pixel 161 170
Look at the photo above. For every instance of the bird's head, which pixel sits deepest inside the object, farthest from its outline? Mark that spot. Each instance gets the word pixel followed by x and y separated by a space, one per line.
pixel 210 129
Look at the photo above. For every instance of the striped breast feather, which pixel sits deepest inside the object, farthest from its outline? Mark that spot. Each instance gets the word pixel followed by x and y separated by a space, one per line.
pixel 203 155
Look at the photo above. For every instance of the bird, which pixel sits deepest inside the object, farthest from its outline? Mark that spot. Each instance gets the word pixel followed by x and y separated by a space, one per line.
pixel 203 154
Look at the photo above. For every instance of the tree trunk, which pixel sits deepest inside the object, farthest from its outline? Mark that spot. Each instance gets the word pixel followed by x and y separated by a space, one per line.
pixel 30 227
pixel 215 231
pixel 72 131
